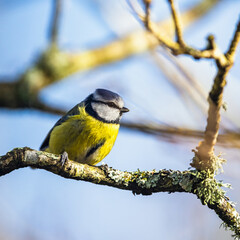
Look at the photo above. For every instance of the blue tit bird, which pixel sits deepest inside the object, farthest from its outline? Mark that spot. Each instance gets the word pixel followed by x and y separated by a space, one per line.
pixel 88 131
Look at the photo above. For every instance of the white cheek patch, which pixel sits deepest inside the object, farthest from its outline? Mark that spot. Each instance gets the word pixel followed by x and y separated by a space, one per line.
pixel 106 112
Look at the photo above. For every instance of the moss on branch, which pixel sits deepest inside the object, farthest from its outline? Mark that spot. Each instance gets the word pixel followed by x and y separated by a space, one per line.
pixel 202 184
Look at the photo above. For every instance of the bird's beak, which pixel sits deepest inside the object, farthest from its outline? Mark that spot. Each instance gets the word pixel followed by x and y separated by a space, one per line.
pixel 124 110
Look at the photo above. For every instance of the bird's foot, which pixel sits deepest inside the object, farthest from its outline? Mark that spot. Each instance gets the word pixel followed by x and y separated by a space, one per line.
pixel 104 167
pixel 64 158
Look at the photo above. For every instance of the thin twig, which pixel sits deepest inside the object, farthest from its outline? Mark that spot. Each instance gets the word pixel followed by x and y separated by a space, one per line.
pixel 54 26
pixel 226 139
pixel 48 109
pixel 234 43
pixel 181 79
pixel 177 48
pixel 177 23
pixel 188 17
pixel 148 12
pixel 185 82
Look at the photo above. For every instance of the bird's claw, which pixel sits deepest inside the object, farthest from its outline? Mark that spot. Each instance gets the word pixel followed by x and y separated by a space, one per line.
pixel 64 158
pixel 104 167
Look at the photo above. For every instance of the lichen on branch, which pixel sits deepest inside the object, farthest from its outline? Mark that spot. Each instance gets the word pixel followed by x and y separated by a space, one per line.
pixel 202 184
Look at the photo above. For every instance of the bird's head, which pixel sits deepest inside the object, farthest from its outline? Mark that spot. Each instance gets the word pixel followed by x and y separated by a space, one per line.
pixel 106 106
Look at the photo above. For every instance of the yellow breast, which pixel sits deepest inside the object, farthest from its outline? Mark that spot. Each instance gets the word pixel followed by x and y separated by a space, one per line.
pixel 84 138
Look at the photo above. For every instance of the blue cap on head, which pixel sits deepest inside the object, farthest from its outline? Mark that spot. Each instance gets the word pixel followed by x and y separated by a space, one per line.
pixel 108 96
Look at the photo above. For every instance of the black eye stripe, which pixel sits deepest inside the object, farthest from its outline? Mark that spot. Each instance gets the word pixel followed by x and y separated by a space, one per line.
pixel 110 104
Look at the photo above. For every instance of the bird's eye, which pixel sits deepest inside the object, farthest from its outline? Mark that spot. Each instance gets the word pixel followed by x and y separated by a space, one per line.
pixel 112 105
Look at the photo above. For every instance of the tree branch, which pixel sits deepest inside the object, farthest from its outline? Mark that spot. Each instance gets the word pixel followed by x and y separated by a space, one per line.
pixel 206 188
pixel 182 48
pixel 234 43
pixel 54 26
pixel 205 157
pixel 139 182
pixel 226 139
pixel 147 10
pixel 177 23
pixel 54 65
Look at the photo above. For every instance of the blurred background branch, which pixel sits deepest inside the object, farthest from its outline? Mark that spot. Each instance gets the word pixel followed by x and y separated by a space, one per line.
pixel 54 27
pixel 55 64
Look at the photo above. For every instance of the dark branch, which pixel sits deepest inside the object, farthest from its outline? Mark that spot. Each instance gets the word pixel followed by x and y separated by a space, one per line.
pixel 148 11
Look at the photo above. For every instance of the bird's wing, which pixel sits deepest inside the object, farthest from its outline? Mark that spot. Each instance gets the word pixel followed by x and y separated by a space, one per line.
pixel 72 112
